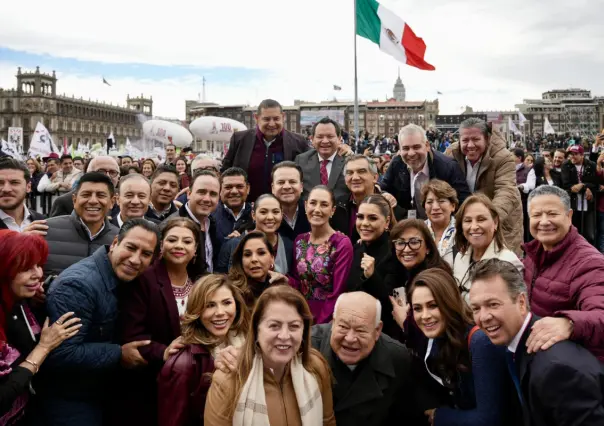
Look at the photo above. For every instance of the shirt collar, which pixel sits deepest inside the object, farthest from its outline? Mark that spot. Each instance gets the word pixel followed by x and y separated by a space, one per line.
pixel 425 170
pixel 330 159
pixel 192 216
pixel 514 343
pixel 26 214
pixel 92 237
pixel 235 216
pixel 158 213
pixel 120 222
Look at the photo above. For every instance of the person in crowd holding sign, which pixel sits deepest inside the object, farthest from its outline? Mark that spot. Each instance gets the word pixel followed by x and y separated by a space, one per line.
pixel 415 165
pixel 466 373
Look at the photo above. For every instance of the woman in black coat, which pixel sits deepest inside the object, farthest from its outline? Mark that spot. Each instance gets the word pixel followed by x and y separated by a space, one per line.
pixel 26 339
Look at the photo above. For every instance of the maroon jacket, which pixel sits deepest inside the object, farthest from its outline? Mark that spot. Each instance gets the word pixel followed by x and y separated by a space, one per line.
pixel 568 281
pixel 148 311
pixel 183 384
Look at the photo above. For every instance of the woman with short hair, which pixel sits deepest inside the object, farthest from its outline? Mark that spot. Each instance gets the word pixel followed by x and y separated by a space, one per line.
pixel 439 199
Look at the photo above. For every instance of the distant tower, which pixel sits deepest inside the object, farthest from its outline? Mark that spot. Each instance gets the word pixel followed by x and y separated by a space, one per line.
pixel 141 104
pixel 399 88
pixel 36 83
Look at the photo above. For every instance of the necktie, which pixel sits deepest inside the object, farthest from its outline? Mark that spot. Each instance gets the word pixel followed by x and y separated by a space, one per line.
pixel 323 172
pixel 512 369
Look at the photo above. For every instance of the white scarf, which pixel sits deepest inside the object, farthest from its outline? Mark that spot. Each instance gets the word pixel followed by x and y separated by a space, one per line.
pixel 251 407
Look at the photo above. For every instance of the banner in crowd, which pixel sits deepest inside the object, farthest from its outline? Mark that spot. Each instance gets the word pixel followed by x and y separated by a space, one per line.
pixel 548 129
pixel 15 135
pixel 10 149
pixel 41 143
pixel 309 118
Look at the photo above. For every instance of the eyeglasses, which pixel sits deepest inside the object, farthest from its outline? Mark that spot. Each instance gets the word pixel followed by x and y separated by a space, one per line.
pixel 111 173
pixel 413 244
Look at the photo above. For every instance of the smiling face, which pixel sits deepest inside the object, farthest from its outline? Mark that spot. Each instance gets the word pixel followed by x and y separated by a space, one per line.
pixel 326 140
pixel 270 122
pixel 13 189
pixel 410 248
pixel 133 199
pixel 31 166
pixel 319 207
pixel 558 159
pixel 67 165
pixel 478 226
pixel 473 143
pixel 26 283
pixel 268 215
pixel 164 188
pixel 130 257
pixel 439 210
pixel 414 151
pixel 426 313
pixel 203 196
pixel 529 160
pixel 234 191
pixel 256 259
pixel 495 312
pixel 219 312
pixel 147 170
pixel 181 166
pixel 371 223
pixel 92 202
pixel 287 185
pixel 280 333
pixel 359 179
pixel 549 220
pixel 178 246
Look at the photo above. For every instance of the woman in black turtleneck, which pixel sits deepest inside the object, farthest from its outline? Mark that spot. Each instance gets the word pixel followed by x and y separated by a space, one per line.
pixel 253 267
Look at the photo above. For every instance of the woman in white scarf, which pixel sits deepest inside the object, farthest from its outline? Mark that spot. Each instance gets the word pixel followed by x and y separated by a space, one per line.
pixel 280 379
pixel 216 317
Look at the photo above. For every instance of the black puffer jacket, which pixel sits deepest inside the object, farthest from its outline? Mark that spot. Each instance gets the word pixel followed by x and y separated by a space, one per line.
pixel 69 242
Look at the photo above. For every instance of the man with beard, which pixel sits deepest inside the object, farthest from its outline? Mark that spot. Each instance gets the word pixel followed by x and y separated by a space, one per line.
pixel 204 194
pixel 14 186
pixel 164 187
pixel 559 157
pixel 257 150
pixel 233 212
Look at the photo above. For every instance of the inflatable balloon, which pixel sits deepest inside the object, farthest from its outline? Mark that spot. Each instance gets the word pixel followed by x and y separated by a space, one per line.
pixel 167 133
pixel 218 129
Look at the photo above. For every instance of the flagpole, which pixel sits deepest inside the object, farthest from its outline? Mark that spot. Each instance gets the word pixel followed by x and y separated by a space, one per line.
pixel 356 85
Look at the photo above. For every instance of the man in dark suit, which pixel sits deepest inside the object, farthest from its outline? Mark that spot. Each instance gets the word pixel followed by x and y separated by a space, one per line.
pixel 133 196
pixel 287 188
pixel 373 384
pixel 562 385
pixel 415 165
pixel 15 183
pixel 323 165
pixel 257 150
pixel 63 205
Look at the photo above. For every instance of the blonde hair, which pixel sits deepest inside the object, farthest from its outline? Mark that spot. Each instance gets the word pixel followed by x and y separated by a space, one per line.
pixel 192 328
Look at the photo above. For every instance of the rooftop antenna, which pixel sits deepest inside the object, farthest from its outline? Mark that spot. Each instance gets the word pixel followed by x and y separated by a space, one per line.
pixel 203 97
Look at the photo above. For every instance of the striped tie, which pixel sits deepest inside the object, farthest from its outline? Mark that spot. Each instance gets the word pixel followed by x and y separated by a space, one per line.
pixel 323 172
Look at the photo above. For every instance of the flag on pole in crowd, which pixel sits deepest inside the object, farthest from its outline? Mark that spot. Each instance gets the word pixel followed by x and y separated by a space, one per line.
pixel 547 127
pixel 41 142
pixel 110 142
pixel 391 33
pixel 512 127
pixel 521 118
pixel 82 148
pixel 65 146
pixel 336 87
pixel 439 93
pixel 106 82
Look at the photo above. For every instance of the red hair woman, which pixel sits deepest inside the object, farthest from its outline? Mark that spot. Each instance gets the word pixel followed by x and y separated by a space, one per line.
pixel 24 344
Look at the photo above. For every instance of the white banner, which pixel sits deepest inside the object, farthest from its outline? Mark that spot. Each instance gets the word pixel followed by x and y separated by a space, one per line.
pixel 41 143
pixel 15 136
pixel 10 149
pixel 309 118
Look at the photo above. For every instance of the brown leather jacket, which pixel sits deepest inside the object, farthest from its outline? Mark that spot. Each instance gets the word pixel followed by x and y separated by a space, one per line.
pixel 280 400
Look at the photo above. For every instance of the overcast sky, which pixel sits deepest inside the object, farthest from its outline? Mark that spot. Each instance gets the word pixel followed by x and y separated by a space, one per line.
pixel 489 55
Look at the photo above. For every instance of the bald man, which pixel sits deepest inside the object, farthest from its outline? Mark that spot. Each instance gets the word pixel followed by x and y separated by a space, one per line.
pixel 373 384
pixel 63 205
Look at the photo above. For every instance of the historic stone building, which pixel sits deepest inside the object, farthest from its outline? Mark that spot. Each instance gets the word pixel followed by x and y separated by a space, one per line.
pixel 399 89
pixel 36 99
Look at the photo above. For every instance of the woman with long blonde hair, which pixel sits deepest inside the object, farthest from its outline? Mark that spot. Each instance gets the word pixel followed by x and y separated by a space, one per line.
pixel 216 317
pixel 277 368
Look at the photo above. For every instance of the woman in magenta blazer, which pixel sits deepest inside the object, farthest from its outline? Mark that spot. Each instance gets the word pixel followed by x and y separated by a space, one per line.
pixel 151 310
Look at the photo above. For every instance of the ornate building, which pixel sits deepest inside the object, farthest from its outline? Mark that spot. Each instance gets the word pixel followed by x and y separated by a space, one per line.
pixel 399 91
pixel 78 120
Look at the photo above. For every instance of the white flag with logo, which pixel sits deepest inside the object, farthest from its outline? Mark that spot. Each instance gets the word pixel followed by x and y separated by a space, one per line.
pixel 548 128
pixel 11 149
pixel 41 143
pixel 512 127
pixel 521 118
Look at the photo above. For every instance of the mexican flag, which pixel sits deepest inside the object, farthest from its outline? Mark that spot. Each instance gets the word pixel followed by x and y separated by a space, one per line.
pixel 391 33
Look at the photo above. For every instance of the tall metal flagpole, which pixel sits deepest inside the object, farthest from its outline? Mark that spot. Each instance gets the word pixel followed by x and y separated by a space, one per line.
pixel 356 85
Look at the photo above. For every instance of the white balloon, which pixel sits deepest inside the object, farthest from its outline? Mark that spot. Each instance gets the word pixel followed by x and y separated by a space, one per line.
pixel 217 129
pixel 165 131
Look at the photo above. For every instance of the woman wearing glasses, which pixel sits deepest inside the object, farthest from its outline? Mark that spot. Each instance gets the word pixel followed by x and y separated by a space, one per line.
pixel 478 237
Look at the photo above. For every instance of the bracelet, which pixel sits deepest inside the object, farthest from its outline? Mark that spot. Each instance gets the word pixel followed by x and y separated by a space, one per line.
pixel 34 363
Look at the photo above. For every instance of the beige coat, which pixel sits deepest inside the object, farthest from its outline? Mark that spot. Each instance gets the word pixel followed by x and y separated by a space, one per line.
pixel 281 401
pixel 497 180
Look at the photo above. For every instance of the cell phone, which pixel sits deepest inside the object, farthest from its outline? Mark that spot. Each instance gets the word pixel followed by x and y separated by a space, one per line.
pixel 400 295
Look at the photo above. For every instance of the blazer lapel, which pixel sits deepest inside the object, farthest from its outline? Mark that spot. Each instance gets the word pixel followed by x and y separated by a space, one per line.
pixel 168 295
pixel 288 145
pixel 247 146
pixel 313 170
pixel 336 170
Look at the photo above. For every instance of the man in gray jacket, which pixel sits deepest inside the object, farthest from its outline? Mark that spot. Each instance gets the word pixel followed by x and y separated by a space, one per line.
pixel 75 237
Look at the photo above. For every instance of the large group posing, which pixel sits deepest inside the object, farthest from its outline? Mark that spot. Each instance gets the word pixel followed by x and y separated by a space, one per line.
pixel 297 284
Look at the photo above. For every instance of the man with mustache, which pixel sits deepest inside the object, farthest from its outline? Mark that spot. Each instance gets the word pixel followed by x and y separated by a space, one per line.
pixel 257 150
pixel 204 194
pixel 164 187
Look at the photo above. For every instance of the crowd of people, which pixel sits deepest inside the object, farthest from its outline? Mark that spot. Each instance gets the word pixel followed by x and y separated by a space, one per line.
pixel 304 284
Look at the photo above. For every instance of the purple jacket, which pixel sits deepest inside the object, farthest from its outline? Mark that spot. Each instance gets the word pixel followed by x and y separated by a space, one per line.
pixel 568 281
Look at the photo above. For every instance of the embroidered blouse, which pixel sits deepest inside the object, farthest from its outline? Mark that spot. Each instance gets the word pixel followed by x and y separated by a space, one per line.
pixel 447 240
pixel 320 272
pixel 181 294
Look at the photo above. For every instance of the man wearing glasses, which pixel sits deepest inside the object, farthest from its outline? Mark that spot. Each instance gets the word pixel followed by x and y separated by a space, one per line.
pixel 63 205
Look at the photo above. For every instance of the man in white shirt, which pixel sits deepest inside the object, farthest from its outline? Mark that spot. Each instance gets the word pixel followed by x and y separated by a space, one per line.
pixel 63 180
pixel 14 186
pixel 562 385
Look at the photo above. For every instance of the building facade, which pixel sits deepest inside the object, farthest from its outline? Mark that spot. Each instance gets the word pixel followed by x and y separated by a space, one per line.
pixel 67 118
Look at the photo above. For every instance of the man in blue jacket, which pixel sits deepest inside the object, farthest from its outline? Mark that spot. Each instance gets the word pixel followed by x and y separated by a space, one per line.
pixel 415 165
pixel 78 373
